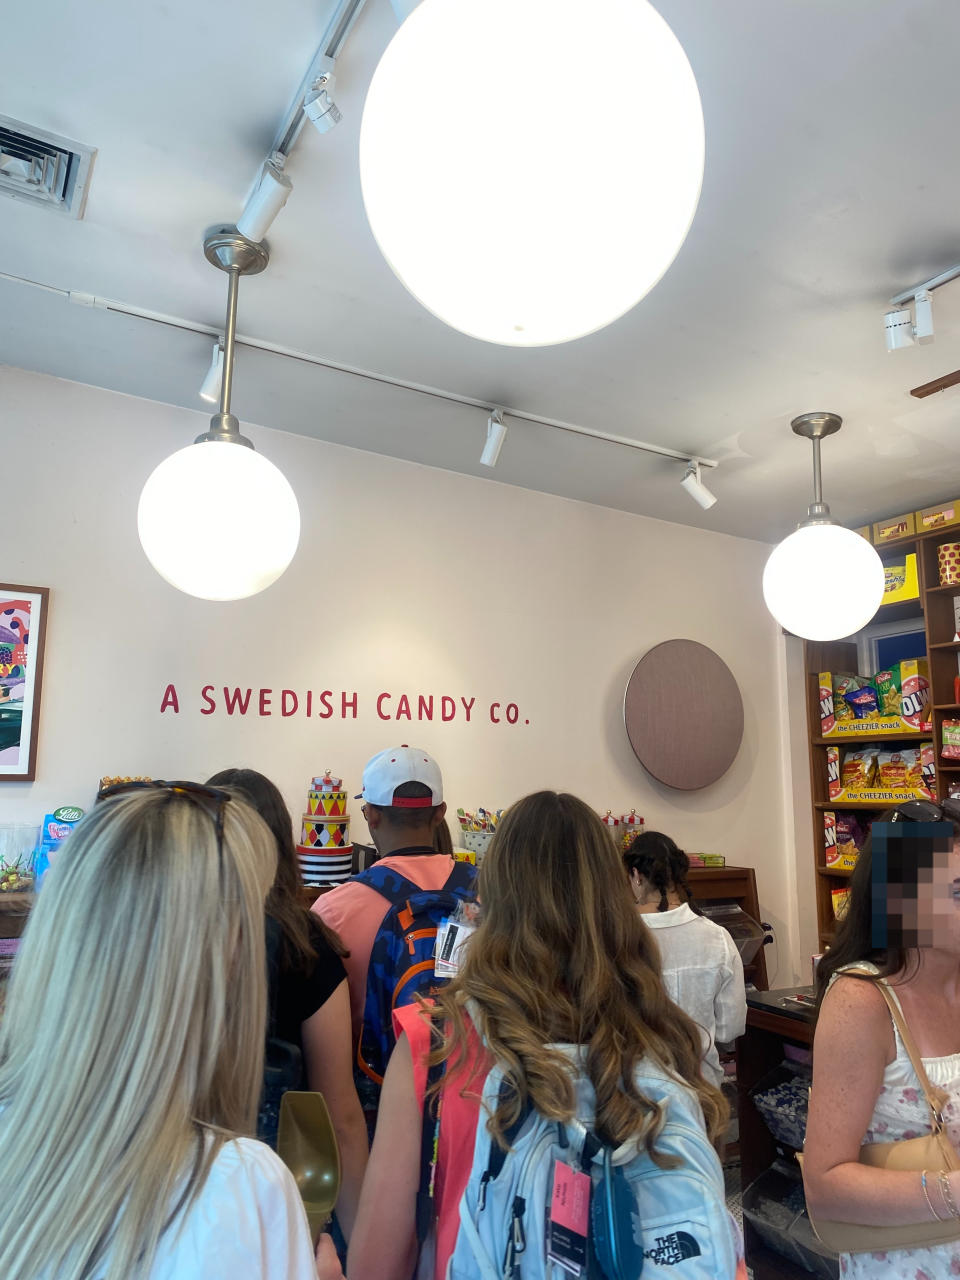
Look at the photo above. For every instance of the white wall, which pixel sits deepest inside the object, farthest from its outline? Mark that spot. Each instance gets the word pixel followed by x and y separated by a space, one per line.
pixel 408 579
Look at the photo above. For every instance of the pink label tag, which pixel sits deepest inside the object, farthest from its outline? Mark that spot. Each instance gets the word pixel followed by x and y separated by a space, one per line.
pixel 570 1206
pixel 569 1219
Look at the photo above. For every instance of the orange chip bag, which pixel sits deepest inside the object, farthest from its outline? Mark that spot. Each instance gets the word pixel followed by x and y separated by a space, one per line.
pixel 858 770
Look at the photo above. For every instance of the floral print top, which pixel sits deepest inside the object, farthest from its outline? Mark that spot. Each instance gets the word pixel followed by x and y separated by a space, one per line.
pixel 901 1112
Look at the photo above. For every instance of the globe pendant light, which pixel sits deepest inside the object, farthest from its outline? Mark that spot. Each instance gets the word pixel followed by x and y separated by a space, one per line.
pixel 823 582
pixel 530 168
pixel 221 523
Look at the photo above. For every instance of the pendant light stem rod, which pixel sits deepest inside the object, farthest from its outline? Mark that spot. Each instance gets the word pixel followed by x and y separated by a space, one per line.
pixel 817 479
pixel 229 340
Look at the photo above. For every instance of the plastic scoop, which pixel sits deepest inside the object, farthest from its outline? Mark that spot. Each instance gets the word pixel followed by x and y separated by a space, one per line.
pixel 307 1145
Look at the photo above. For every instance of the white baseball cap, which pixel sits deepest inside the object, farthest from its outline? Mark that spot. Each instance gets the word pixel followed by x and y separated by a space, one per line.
pixel 390 769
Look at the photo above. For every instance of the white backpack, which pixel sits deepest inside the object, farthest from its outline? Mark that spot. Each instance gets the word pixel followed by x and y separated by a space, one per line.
pixel 671 1224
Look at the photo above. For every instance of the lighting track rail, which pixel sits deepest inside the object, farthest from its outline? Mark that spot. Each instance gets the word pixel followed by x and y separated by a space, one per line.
pixel 305 357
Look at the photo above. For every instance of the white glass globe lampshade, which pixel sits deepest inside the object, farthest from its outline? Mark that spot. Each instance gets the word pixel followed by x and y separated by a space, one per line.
pixel 218 521
pixel 823 582
pixel 530 168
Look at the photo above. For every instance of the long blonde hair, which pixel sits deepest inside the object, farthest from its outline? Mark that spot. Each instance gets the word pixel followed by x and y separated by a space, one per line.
pixel 562 956
pixel 132 1043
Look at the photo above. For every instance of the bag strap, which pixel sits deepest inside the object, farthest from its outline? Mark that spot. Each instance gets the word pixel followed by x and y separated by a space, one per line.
pixel 429 1149
pixel 461 880
pixel 390 884
pixel 936 1097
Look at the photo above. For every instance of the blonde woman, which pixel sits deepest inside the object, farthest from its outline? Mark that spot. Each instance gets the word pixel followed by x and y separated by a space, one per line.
pixel 557 958
pixel 131 1055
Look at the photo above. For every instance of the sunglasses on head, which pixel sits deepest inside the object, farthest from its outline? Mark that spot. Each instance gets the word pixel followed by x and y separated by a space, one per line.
pixel 211 800
pixel 928 811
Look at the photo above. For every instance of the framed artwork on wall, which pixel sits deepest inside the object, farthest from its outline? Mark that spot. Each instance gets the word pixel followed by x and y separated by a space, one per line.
pixel 23 622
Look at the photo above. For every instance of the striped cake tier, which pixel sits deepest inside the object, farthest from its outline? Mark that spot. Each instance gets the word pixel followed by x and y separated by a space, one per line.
pixel 324 834
pixel 327 804
pixel 325 868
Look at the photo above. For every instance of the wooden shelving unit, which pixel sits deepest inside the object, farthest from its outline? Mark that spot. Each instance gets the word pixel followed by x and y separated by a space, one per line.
pixel 935 606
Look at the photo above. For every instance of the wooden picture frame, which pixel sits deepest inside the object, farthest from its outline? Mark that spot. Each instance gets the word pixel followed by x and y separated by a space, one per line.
pixel 23 625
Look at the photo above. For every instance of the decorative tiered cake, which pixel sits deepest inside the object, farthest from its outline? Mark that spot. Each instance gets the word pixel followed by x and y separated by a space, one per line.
pixel 325 853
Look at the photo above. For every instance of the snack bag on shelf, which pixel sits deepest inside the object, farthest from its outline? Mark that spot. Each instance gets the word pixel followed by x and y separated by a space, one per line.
pixel 840 901
pixel 843 683
pixel 56 827
pixel 843 837
pixel 858 771
pixel 864 702
pixel 833 773
pixel 901 771
pixel 928 771
pixel 828 718
pixel 888 686
pixel 850 838
pixel 950 739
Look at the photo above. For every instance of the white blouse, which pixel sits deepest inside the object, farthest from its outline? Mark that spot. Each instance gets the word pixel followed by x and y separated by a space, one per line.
pixel 703 974
pixel 247 1223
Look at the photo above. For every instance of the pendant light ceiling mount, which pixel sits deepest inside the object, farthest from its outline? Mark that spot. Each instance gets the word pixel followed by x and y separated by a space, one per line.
pixel 225 248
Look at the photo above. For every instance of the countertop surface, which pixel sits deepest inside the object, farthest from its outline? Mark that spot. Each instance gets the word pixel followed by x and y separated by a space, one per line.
pixel 777 1002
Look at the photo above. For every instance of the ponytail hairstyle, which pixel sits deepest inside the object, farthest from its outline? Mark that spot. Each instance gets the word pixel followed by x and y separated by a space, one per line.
pixel 662 864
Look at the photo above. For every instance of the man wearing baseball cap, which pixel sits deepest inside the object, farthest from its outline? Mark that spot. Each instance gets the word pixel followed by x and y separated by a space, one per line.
pixel 403 806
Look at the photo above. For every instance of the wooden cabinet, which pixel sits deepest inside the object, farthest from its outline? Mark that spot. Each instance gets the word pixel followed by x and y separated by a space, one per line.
pixel 733 884
pixel 759 1051
pixel 936 609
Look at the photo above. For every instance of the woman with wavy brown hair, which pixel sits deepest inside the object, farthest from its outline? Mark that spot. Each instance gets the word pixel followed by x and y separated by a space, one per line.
pixel 559 956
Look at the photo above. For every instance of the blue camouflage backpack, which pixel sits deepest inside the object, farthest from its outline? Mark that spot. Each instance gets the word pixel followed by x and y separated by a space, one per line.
pixel 401 961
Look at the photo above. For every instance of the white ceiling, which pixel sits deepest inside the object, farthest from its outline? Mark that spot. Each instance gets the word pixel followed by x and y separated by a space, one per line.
pixel 831 183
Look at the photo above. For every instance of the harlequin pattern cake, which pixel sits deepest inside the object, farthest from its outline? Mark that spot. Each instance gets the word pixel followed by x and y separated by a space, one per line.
pixel 325 853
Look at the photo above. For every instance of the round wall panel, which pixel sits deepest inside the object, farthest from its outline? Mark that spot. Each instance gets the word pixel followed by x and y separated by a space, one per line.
pixel 684 714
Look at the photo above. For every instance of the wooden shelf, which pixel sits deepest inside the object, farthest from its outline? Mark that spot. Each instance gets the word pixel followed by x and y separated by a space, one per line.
pixel 945 644
pixel 830 871
pixel 947 706
pixel 953 587
pixel 876 805
pixel 848 740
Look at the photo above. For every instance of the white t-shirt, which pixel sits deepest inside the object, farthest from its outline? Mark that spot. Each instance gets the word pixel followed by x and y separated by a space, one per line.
pixel 247 1223
pixel 703 974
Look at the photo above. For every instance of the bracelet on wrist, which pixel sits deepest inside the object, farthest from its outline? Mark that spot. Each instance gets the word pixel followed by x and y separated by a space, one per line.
pixel 946 1194
pixel 926 1196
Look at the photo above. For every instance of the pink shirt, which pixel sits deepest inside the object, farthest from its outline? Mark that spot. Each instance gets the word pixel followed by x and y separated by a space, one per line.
pixel 356 912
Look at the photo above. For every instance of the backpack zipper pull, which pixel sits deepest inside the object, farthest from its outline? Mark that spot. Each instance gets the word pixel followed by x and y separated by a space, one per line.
pixel 482 1199
pixel 516 1240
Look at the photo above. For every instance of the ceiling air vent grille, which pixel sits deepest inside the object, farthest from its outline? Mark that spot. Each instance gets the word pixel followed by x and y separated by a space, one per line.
pixel 44 168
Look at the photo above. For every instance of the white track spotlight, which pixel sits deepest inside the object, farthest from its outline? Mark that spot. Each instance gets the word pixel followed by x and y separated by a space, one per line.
pixel 697 490
pixel 823 582
pixel 268 198
pixel 210 387
pixel 319 106
pixel 496 434
pixel 923 316
pixel 898 329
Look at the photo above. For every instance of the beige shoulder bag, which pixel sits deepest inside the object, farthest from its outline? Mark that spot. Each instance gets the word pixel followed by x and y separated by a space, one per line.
pixel 934 1152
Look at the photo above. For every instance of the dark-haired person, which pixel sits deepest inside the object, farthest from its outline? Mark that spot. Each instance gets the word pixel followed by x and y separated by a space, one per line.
pixel 404 811
pixel 309 1000
pixel 702 971
pixel 864 1087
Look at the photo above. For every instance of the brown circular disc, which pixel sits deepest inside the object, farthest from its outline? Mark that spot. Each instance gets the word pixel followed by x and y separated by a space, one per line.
pixel 684 714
